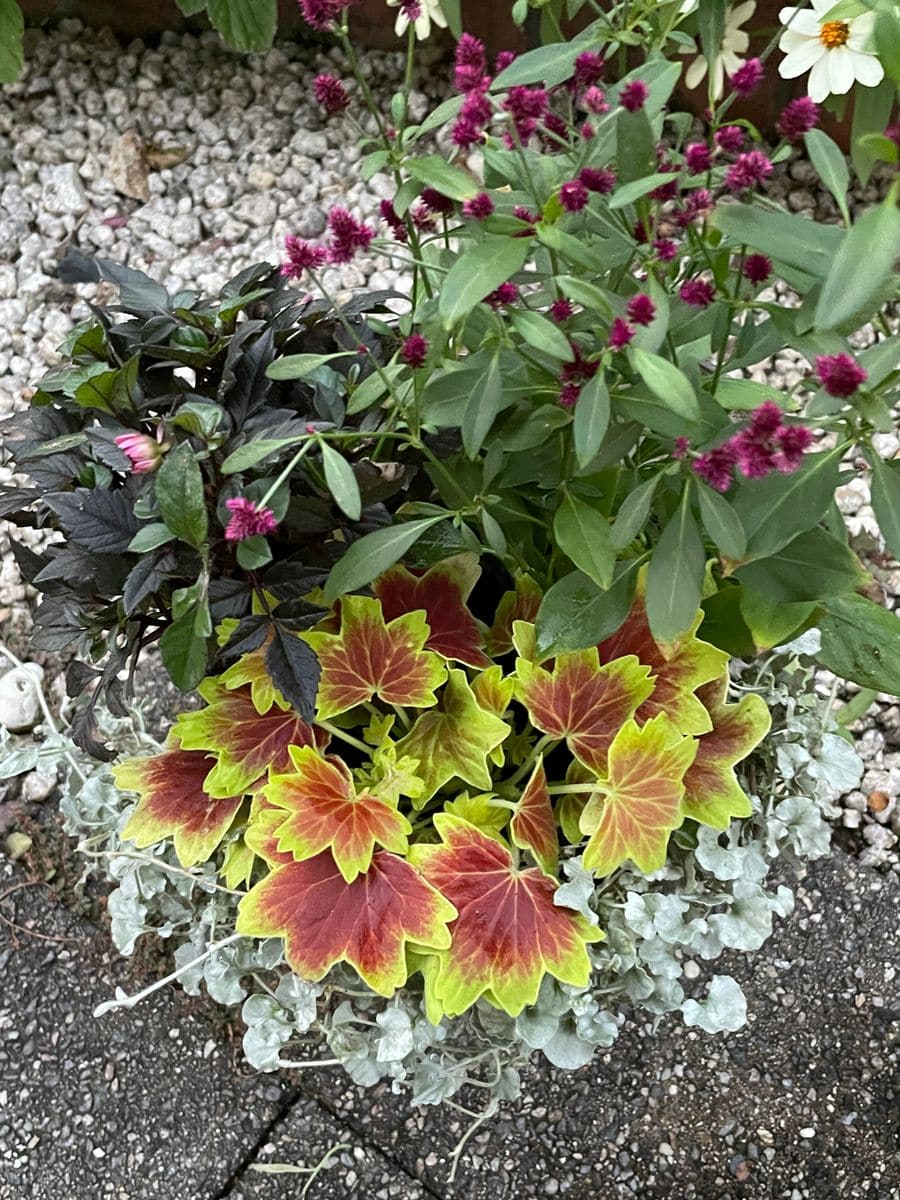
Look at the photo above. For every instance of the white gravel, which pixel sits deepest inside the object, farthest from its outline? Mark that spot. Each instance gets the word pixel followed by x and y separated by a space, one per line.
pixel 191 163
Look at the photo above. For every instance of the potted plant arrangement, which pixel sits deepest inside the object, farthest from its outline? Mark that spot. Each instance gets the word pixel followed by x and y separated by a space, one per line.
pixel 503 596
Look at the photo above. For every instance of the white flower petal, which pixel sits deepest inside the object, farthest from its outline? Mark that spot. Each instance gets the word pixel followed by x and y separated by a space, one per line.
pixel 741 13
pixel 867 69
pixel 861 32
pixel 804 22
pixel 821 7
pixel 718 79
pixel 840 70
pixel 737 41
pixel 401 23
pixel 799 61
pixel 793 41
pixel 423 24
pixel 696 72
pixel 819 86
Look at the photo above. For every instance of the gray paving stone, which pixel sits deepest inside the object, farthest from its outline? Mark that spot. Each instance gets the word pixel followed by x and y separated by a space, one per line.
pixel 802 1103
pixel 302 1138
pixel 136 1105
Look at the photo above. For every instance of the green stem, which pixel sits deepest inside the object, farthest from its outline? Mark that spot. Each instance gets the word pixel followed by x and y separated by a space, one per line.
pixel 345 737
pixel 270 492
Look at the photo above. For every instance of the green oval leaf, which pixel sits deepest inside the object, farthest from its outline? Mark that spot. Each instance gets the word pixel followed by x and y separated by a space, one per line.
pixel 298 366
pixel 886 501
pixel 435 172
pixel 341 482
pixel 722 523
pixel 862 271
pixel 861 642
pixel 575 613
pixel 675 575
pixel 373 554
pixel 666 382
pixel 591 419
pixel 481 269
pixel 179 494
pixel 582 534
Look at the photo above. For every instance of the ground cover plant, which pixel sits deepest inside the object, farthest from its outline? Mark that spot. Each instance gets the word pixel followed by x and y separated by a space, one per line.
pixel 480 584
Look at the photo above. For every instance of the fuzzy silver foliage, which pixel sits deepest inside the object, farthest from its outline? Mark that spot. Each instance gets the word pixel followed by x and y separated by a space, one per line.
pixel 712 895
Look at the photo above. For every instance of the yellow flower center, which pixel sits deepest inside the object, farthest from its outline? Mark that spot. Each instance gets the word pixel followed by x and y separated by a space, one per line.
pixel 833 34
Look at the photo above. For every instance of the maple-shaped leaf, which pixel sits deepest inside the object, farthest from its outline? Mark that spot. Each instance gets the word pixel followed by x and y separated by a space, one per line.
pixel 367 923
pixel 509 934
pixel 327 814
pixel 175 803
pixel 454 739
pixel 442 591
pixel 261 834
pixel 583 702
pixel 678 670
pixel 639 802
pixel 391 775
pixel 533 826
pixel 251 671
pixel 481 811
pixel 520 605
pixel 712 793
pixel 493 690
pixel 246 743
pixel 237 865
pixel 370 657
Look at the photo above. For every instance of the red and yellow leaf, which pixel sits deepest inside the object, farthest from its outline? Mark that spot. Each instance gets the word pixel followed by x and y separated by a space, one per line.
pixel 367 923
pixel 678 670
pixel 532 826
pixel 251 670
pixel 639 802
pixel 261 834
pixel 454 739
pixel 712 793
pixel 175 803
pixel 583 702
pixel 247 743
pixel 442 591
pixel 369 657
pixel 481 811
pixel 520 605
pixel 327 814
pixel 509 934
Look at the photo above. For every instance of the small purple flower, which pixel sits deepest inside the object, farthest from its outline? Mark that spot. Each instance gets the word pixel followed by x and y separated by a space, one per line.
pixel 390 217
pixel 697 292
pixel 665 249
pixel 573 195
pixel 840 375
pixel 321 14
pixel 633 96
pixel 747 171
pixel 561 309
pixel 715 467
pixel 730 139
pixel 620 334
pixel 697 157
pixel 568 395
pixel 330 93
pixel 793 442
pixel 347 236
pixel 757 268
pixel 415 350
pixel 504 59
pixel 479 208
pixel 470 63
pixel 589 67
pixel 301 256
pixel 640 309
pixel 797 117
pixel 506 293
pixel 594 101
pixel 248 520
pixel 597 179
pixel 681 447
pixel 436 201
pixel 748 77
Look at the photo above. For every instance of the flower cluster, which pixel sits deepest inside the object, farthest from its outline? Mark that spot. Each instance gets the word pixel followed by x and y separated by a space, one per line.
pixel 767 444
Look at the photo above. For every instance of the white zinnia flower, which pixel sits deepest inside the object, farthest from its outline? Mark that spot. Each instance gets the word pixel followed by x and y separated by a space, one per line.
pixel 734 43
pixel 419 13
pixel 834 52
